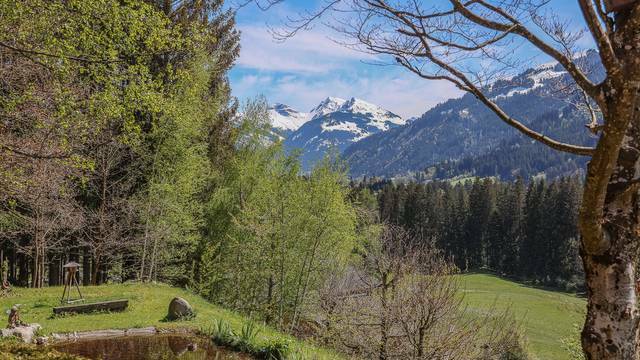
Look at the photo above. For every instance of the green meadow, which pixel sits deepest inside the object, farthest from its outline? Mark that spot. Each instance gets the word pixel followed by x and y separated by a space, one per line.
pixel 546 316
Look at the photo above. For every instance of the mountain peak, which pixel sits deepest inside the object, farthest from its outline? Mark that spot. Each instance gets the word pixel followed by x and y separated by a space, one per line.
pixel 335 124
pixel 328 105
pixel 284 117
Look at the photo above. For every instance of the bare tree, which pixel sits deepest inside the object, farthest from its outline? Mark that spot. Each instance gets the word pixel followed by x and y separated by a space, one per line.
pixel 109 211
pixel 402 301
pixel 44 207
pixel 37 142
pixel 470 43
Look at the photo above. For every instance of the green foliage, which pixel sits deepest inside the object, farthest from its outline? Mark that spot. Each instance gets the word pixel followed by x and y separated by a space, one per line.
pixel 572 345
pixel 246 342
pixel 274 234
pixel 136 102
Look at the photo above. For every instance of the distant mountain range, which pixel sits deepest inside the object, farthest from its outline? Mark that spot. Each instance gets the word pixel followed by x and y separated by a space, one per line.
pixel 457 138
pixel 333 125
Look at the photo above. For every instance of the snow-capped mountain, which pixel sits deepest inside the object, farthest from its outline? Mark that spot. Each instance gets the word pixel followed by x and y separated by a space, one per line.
pixel 332 125
pixel 285 120
pixel 327 106
pixel 462 137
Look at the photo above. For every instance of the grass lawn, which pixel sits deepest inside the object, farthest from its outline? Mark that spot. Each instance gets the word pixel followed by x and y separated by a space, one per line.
pixel 148 304
pixel 547 316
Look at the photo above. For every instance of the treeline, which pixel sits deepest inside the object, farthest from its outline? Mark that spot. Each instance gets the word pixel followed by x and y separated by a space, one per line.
pixel 520 157
pixel 115 120
pixel 523 230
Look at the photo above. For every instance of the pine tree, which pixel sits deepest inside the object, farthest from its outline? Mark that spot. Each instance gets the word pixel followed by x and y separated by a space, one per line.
pixel 529 261
pixel 480 207
pixel 513 210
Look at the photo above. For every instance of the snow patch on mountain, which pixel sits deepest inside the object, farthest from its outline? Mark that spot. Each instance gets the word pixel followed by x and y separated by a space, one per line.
pixel 283 117
pixel 327 106
pixel 337 123
pixel 536 79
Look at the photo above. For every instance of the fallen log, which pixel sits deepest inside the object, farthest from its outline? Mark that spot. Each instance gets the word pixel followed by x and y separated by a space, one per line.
pixel 113 305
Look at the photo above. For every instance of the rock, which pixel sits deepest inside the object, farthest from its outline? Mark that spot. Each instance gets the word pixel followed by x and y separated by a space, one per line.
pixel 42 340
pixel 26 333
pixel 60 337
pixel 179 308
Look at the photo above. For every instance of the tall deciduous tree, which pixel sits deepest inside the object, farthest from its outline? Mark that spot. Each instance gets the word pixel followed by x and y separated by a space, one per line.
pixel 273 235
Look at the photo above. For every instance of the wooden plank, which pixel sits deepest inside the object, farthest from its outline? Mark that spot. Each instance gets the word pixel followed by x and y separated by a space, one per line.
pixel 114 305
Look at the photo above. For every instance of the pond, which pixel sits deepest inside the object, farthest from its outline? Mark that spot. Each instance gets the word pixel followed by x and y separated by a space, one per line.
pixel 148 347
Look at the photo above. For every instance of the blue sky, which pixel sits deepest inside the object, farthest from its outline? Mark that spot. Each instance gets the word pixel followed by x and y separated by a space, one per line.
pixel 302 71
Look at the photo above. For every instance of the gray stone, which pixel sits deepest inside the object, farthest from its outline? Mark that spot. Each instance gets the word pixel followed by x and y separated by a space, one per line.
pixel 26 333
pixel 179 308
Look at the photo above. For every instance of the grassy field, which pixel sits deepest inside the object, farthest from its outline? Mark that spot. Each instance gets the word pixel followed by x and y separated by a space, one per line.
pixel 547 316
pixel 148 306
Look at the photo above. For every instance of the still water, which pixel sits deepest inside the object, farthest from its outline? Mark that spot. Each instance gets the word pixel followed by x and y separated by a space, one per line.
pixel 148 348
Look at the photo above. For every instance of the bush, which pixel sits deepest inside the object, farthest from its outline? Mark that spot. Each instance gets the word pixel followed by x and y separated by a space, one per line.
pixel 223 335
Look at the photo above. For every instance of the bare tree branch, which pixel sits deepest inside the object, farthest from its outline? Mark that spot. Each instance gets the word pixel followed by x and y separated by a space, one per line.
pixel 607 54
pixel 461 80
pixel 581 79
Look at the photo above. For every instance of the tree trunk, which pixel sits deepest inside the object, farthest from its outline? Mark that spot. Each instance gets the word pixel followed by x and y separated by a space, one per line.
pixel 23 271
pixel 54 271
pixel 86 267
pixel 95 267
pixel 13 260
pixel 611 326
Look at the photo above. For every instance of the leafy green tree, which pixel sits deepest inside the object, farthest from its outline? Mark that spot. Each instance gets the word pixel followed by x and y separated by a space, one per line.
pixel 274 234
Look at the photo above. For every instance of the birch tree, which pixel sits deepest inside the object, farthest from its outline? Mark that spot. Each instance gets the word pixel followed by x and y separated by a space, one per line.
pixel 470 43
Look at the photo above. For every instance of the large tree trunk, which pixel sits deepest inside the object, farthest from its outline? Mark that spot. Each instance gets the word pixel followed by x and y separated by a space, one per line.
pixel 611 327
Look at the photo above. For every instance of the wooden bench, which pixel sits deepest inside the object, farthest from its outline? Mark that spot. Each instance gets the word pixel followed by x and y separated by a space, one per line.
pixel 113 305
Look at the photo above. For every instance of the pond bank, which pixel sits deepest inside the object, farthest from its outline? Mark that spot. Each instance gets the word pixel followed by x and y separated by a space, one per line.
pixel 108 333
pixel 146 346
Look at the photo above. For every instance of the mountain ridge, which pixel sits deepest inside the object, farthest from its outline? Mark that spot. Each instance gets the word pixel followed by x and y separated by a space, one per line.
pixel 332 125
pixel 464 128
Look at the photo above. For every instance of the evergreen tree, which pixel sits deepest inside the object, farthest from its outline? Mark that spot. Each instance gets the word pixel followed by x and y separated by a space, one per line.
pixel 480 207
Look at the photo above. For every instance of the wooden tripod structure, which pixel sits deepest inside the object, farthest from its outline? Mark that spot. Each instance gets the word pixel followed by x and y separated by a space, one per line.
pixel 70 281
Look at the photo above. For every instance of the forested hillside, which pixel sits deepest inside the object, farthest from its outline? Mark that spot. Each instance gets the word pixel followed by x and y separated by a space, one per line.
pixel 520 157
pixel 521 230
pixel 463 137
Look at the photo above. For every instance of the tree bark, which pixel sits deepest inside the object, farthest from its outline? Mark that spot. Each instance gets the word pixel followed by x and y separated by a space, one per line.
pixel 611 326
pixel 611 242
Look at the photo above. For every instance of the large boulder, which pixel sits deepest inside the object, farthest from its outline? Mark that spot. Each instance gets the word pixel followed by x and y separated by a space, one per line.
pixel 26 332
pixel 179 308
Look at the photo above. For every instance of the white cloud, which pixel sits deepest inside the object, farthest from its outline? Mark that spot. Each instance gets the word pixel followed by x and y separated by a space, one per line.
pixel 310 66
pixel 307 52
pixel 403 93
